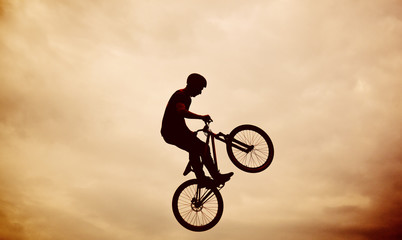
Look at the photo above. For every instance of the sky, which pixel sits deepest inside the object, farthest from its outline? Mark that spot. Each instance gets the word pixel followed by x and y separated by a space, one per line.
pixel 83 87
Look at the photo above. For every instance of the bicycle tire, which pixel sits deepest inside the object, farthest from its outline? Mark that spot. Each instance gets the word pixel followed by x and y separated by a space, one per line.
pixel 259 158
pixel 195 218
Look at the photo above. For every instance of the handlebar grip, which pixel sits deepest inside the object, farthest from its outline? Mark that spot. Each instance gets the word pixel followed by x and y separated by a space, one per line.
pixel 208 121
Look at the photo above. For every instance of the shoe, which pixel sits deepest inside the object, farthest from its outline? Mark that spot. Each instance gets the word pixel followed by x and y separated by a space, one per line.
pixel 222 178
pixel 206 182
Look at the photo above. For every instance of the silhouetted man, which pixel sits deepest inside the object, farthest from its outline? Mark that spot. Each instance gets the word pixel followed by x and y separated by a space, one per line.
pixel 175 131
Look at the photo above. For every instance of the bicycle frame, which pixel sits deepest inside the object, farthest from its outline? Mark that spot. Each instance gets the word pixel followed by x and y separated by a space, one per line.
pixel 211 136
pixel 223 138
pixel 197 203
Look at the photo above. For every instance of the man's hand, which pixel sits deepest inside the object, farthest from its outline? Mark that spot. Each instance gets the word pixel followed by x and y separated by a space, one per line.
pixel 207 118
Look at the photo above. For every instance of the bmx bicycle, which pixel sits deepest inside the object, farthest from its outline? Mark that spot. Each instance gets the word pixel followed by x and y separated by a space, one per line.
pixel 198 207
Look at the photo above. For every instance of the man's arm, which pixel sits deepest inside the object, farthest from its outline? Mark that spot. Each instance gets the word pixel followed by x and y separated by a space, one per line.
pixel 181 109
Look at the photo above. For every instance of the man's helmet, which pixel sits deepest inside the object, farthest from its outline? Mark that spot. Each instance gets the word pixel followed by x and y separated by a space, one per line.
pixel 196 79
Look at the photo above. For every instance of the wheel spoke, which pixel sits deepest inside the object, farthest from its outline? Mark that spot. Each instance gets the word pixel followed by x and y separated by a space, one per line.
pixel 258 156
pixel 195 213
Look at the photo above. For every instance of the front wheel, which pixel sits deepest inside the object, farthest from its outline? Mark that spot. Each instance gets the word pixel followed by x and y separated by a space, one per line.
pixel 250 148
pixel 197 208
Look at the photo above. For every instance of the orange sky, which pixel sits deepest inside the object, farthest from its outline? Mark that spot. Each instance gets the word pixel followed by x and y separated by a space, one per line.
pixel 83 87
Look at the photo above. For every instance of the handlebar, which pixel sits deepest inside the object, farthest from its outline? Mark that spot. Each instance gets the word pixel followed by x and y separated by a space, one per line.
pixel 205 128
pixel 208 121
pixel 220 136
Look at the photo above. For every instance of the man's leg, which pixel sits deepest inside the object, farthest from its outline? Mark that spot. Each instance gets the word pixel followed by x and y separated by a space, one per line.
pixel 188 144
pixel 196 164
pixel 205 152
pixel 196 149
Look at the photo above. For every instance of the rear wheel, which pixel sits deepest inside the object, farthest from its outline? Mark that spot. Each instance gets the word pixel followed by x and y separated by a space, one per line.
pixel 250 148
pixel 197 209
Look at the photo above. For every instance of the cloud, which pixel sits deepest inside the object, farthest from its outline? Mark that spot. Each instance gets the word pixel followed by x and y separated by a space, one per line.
pixel 84 89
